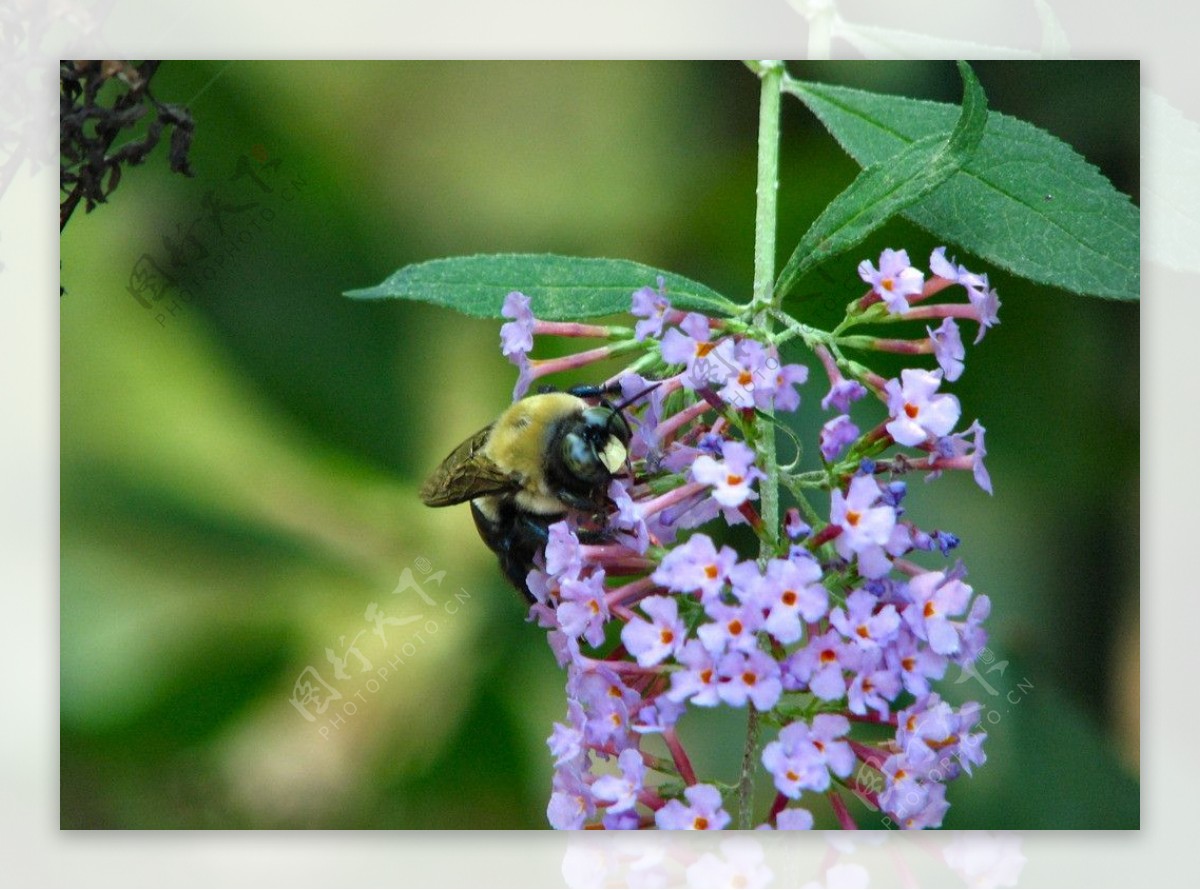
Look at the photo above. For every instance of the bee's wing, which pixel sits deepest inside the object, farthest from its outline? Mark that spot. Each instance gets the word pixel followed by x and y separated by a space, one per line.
pixel 465 475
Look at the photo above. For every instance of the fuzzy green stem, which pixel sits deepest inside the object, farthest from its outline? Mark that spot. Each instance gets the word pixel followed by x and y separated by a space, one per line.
pixel 749 762
pixel 764 267
pixel 767 188
pixel 766 194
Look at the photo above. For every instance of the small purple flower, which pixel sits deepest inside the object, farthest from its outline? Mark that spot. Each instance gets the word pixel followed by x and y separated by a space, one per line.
pixel 620 793
pixel 702 812
pixel 974 637
pixel 836 435
pixel 935 738
pixel 821 665
pixel 659 716
pixel 873 687
pixel 606 702
pixel 565 648
pixel 652 306
pixel 914 662
pixel 564 559
pixel 786 380
pixel 842 393
pixel 894 280
pixel 679 457
pixel 917 412
pixel 983 297
pixel 970 744
pixel 894 493
pixel 932 814
pixel 795 527
pixel 948 348
pixel 942 267
pixel 582 609
pixel 698 681
pixel 979 452
pixel 956 446
pixel 752 676
pixel 750 382
pixel 706 361
pixel 866 525
pixel 696 566
pixel 860 623
pixel 652 641
pixel 571 801
pixel 525 374
pixel 790 590
pixel 904 792
pixel 803 757
pixel 516 337
pixel 731 478
pixel 732 627
pixel 936 599
pixel 626 520
pixel 566 741
pixel 986 303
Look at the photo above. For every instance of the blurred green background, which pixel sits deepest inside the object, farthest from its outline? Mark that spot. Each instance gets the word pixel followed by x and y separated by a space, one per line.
pixel 239 463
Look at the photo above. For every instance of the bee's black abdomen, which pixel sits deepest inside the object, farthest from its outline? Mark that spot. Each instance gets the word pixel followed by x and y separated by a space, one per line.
pixel 514 536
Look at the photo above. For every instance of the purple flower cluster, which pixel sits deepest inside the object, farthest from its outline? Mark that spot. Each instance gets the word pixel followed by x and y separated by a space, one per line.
pixel 830 629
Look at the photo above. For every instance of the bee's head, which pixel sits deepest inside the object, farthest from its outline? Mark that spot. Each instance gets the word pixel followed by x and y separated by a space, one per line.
pixel 596 445
pixel 589 448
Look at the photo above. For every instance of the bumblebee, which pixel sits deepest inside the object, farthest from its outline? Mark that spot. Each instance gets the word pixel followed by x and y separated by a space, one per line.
pixel 547 455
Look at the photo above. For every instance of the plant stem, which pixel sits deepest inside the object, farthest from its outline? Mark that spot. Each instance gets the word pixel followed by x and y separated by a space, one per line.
pixel 766 193
pixel 749 762
pixel 767 188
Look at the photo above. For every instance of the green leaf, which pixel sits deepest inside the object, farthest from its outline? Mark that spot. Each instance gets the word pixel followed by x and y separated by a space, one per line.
pixel 1025 201
pixel 886 188
pixel 560 287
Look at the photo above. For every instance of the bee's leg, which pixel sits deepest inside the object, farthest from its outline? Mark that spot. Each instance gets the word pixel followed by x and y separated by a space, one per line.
pixel 584 391
pixel 589 537
pixel 595 392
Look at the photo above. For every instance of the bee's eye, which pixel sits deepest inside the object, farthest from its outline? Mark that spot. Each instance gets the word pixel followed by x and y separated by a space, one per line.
pixel 603 422
pixel 579 456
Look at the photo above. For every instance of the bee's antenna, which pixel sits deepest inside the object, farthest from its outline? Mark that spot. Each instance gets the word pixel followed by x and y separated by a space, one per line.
pixel 649 389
